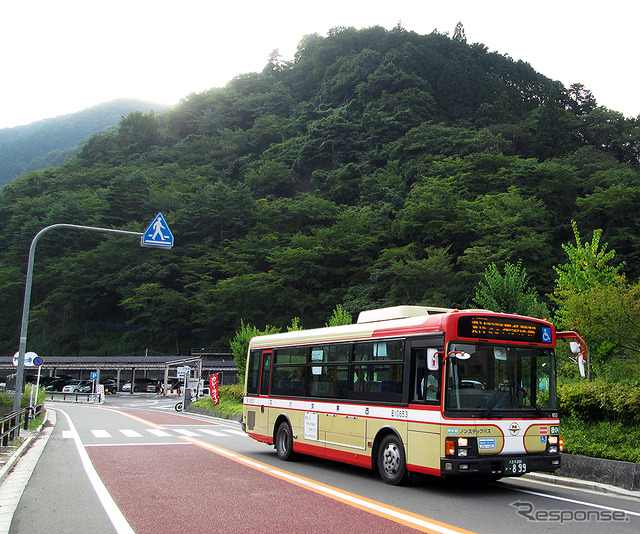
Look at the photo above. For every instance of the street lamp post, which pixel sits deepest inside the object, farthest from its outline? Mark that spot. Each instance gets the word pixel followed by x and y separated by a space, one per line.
pixel 27 298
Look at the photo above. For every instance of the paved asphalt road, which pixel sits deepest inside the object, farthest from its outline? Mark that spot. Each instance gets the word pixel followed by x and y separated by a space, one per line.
pixel 135 465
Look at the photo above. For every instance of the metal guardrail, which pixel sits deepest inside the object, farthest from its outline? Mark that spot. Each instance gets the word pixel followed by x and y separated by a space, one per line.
pixel 87 398
pixel 10 424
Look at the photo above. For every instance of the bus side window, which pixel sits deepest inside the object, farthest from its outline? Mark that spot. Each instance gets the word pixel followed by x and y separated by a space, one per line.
pixel 253 372
pixel 266 373
pixel 426 383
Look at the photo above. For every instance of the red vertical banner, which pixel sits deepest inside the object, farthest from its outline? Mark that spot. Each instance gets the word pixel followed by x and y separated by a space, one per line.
pixel 214 389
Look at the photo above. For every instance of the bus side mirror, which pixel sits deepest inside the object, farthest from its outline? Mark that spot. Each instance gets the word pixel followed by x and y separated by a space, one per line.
pixel 577 349
pixel 583 374
pixel 433 362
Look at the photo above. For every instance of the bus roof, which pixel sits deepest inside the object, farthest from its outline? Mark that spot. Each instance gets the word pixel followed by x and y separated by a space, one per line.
pixel 396 319
pixel 391 322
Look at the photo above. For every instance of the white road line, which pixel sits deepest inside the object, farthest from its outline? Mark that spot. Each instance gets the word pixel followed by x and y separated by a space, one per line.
pixel 101 434
pixel 159 433
pixel 130 433
pixel 118 520
pixel 236 432
pixel 186 432
pixel 212 432
pixel 138 444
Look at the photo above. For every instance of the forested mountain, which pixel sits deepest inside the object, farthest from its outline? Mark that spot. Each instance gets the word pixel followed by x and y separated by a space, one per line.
pixel 51 142
pixel 378 168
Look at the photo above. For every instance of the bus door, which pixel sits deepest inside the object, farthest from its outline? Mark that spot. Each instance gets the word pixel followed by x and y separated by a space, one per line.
pixel 259 375
pixel 425 393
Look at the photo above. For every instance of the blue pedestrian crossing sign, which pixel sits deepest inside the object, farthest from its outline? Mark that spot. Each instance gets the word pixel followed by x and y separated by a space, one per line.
pixel 158 234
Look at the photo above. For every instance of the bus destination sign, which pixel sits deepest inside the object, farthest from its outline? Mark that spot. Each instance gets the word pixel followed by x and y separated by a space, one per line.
pixel 503 328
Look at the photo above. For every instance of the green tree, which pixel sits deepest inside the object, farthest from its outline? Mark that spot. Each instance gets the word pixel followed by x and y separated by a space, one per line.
pixel 509 293
pixel 588 266
pixel 272 178
pixel 506 227
pixel 408 275
pixel 592 296
pixel 160 312
pixel 340 317
pixel 295 325
pixel 138 132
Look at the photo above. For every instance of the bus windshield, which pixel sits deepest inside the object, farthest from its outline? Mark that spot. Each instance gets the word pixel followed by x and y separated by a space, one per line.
pixel 496 379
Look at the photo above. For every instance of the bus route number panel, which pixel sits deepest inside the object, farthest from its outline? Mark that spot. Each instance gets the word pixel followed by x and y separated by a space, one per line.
pixel 504 328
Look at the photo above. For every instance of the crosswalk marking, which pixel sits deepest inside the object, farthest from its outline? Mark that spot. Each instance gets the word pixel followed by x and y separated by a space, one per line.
pixel 164 433
pixel 236 432
pixel 212 432
pixel 130 433
pixel 185 432
pixel 158 432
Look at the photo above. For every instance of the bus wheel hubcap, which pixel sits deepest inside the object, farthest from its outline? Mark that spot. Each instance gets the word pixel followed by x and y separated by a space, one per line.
pixel 391 459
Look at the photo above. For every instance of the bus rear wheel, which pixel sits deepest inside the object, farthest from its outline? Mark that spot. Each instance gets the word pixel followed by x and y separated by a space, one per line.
pixel 284 442
pixel 391 461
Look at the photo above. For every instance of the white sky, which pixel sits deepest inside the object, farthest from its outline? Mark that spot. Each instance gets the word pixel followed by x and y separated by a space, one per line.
pixel 62 56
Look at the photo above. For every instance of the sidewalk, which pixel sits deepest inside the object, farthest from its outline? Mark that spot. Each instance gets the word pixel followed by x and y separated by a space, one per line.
pixel 16 466
pixel 10 455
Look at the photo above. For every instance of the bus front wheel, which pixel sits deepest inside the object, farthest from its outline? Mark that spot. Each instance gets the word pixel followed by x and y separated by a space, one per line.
pixel 391 461
pixel 284 442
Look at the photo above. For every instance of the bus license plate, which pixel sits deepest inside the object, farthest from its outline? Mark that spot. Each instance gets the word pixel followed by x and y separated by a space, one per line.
pixel 515 466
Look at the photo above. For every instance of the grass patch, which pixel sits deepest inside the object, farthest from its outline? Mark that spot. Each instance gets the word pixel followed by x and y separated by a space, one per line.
pixel 35 423
pixel 230 401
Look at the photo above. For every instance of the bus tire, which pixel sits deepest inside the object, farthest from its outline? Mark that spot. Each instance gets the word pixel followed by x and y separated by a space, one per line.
pixel 284 442
pixel 391 461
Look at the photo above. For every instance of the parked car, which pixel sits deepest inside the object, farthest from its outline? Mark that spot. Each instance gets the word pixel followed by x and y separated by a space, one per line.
pixel 141 384
pixel 156 387
pixel 110 385
pixel 57 384
pixel 78 386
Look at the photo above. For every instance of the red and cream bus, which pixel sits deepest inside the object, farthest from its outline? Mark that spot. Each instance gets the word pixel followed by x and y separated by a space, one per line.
pixel 412 389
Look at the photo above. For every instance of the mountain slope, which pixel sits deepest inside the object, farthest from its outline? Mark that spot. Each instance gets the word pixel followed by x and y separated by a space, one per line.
pixel 378 168
pixel 53 141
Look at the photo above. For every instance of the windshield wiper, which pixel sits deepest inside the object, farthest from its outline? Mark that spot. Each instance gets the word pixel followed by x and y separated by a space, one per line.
pixel 492 403
pixel 538 409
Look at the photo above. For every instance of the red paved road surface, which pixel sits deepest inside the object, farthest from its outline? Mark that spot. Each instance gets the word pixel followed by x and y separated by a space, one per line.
pixel 186 488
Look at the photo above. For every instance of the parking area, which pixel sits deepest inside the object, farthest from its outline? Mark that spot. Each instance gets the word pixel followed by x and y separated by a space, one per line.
pixel 123 374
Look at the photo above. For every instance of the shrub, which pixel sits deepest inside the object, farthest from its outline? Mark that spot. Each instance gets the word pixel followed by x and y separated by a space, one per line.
pixel 234 392
pixel 600 401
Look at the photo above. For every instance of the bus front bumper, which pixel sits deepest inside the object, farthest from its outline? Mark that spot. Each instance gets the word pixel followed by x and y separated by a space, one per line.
pixel 499 466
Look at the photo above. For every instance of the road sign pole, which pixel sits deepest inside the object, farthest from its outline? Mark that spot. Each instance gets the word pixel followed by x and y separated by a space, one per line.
pixel 184 391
